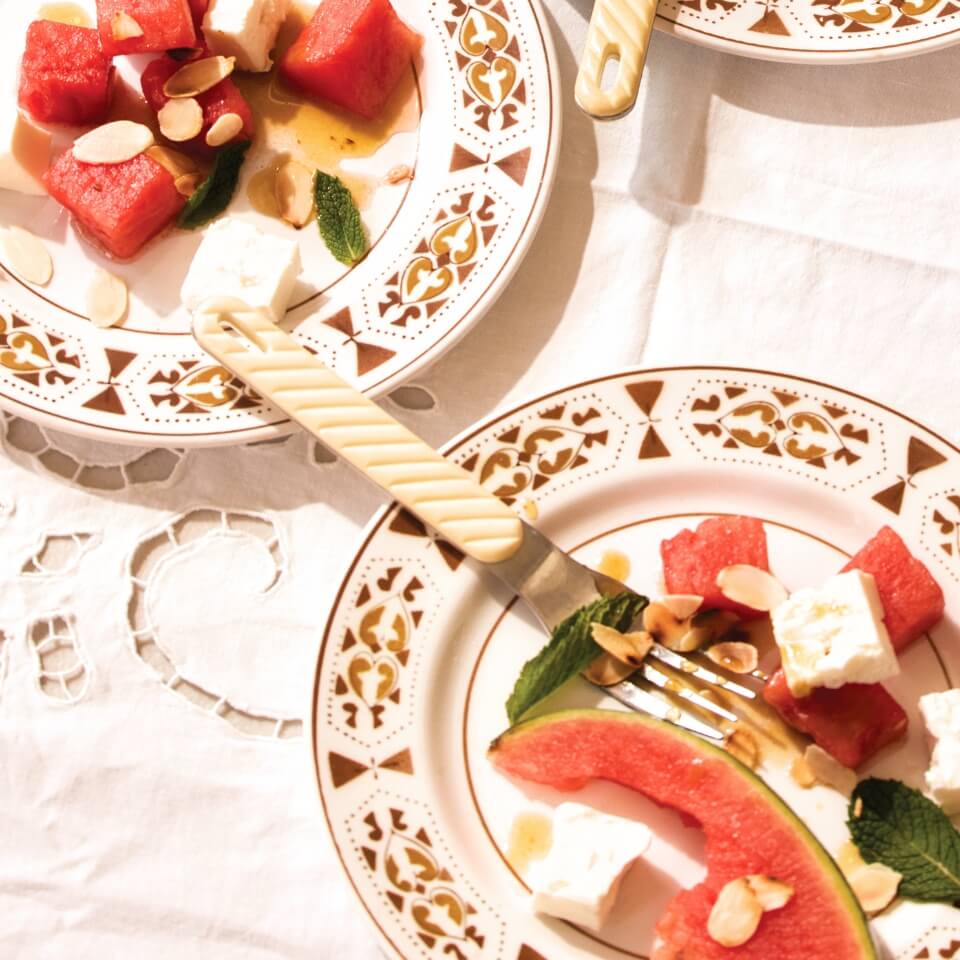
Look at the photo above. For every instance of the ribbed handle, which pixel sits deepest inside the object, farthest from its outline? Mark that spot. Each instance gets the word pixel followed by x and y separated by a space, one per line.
pixel 439 492
pixel 621 29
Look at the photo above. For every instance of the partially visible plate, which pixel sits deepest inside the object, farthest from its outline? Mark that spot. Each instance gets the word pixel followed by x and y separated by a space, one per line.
pixel 483 140
pixel 421 649
pixel 814 31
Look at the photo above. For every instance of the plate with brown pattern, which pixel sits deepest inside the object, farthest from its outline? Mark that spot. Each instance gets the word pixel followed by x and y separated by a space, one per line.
pixel 452 182
pixel 422 648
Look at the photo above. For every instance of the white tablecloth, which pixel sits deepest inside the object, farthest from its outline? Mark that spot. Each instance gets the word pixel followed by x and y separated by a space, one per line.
pixel 799 219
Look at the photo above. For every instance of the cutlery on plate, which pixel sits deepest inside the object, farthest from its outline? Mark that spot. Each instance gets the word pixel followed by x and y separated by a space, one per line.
pixel 445 496
pixel 619 30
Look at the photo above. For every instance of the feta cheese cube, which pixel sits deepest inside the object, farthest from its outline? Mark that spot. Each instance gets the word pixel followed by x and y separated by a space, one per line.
pixel 941 715
pixel 245 29
pixel 236 259
pixel 24 153
pixel 580 876
pixel 833 635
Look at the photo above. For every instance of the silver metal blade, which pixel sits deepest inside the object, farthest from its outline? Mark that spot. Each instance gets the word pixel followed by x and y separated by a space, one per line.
pixel 659 679
pixel 643 701
pixel 693 669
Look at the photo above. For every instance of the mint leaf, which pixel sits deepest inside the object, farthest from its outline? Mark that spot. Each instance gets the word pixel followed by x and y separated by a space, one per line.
pixel 571 649
pixel 213 196
pixel 900 827
pixel 339 219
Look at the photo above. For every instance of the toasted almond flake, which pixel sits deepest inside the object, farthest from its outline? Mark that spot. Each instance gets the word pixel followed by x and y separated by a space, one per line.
pixel 736 914
pixel 875 886
pixel 175 163
pixel 742 744
pixel 751 586
pixel 682 605
pixel 607 670
pixel 124 27
pixel 773 894
pixel 801 773
pixel 181 119
pixel 106 299
pixel 187 183
pixel 225 128
pixel 735 656
pixel 629 648
pixel 828 770
pixel 26 256
pixel 293 188
pixel 198 76
pixel 398 174
pixel 114 142
pixel 858 808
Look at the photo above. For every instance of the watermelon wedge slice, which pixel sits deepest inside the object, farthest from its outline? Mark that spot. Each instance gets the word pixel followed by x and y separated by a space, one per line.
pixel 748 830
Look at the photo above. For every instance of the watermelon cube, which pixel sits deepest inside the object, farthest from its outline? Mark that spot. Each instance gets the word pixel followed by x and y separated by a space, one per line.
pixel 851 723
pixel 64 75
pixel 224 98
pixel 912 600
pixel 352 53
pixel 692 559
pixel 198 9
pixel 166 25
pixel 119 205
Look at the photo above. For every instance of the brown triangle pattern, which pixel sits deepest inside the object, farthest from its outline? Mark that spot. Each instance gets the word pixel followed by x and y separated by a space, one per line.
pixel 773 450
pixel 770 23
pixel 904 21
pixel 510 436
pixel 528 953
pixel 645 394
pixel 405 522
pixel 921 456
pixel 451 555
pixel 118 361
pixel 786 399
pixel 463 159
pixel 434 305
pixel 395 899
pixel 343 769
pixel 520 93
pixel 554 413
pixel 854 27
pixel 733 392
pixel 363 596
pixel 341 321
pixel 515 166
pixel 834 411
pixel 513 49
pixel 892 497
pixel 653 447
pixel 108 401
pixel 947 548
pixel 423 838
pixel 370 356
pixel 401 762
pixel 471 461
pixel 732 444
pixel 370 856
pixel 948 9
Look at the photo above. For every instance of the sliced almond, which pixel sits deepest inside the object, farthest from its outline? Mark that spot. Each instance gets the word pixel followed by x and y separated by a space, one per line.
pixel 198 76
pixel 175 163
pixel 743 745
pixel 773 894
pixel 858 808
pixel 703 629
pixel 26 256
pixel 682 605
pixel 736 914
pixel 628 648
pixel 114 142
pixel 187 184
pixel 735 656
pixel 224 129
pixel 875 886
pixel 828 770
pixel 663 625
pixel 124 27
pixel 607 671
pixel 106 299
pixel 398 174
pixel 751 586
pixel 294 192
pixel 181 120
pixel 801 773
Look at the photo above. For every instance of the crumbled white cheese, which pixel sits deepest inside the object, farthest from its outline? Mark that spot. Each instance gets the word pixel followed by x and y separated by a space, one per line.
pixel 24 153
pixel 941 716
pixel 245 29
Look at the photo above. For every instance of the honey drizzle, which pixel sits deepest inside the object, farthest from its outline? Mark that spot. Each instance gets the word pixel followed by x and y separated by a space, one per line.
pixel 70 13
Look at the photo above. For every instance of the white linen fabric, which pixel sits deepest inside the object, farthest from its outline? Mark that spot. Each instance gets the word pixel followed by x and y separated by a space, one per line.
pixel 800 219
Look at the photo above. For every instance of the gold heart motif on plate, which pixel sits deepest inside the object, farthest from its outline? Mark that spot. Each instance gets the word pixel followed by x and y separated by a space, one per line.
pixel 493 82
pixel 423 281
pixel 481 31
pixel 443 915
pixel 371 678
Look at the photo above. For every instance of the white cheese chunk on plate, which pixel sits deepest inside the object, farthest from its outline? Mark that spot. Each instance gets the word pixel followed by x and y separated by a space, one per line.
pixel 941 716
pixel 579 878
pixel 245 29
pixel 24 153
pixel 236 259
pixel 834 634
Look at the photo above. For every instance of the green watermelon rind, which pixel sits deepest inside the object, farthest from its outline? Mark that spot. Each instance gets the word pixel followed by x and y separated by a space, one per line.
pixel 828 864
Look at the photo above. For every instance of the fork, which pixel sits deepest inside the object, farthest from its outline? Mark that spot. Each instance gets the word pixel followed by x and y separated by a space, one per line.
pixel 446 497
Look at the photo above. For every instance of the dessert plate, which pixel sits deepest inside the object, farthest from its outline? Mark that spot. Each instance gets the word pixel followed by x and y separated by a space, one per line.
pixel 421 649
pixel 478 124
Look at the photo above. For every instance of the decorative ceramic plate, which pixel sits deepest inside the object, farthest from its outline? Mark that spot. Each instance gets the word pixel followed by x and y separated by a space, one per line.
pixel 479 124
pixel 422 649
pixel 814 31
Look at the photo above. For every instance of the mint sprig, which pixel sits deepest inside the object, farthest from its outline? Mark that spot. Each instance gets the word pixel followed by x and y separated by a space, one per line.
pixel 571 650
pixel 898 826
pixel 213 196
pixel 339 219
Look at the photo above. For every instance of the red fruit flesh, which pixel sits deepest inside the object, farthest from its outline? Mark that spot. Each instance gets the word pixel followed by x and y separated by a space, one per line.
pixel 351 53
pixel 692 559
pixel 851 723
pixel 224 98
pixel 120 205
pixel 64 75
pixel 166 25
pixel 748 831
pixel 199 10
pixel 912 600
